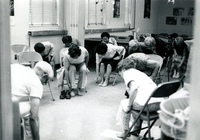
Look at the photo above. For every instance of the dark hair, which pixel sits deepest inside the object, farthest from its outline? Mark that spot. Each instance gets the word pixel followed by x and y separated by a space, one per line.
pixel 126 64
pixel 179 41
pixel 101 48
pixel 174 35
pixel 67 39
pixel 105 34
pixel 74 50
pixel 39 47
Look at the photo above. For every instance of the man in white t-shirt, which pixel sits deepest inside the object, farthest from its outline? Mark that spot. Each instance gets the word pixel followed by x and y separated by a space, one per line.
pixel 27 87
pixel 139 87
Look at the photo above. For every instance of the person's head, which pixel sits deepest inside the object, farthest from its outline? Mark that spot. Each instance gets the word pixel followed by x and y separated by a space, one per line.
pixel 105 37
pixel 44 71
pixel 39 47
pixel 133 46
pixel 173 36
pixel 67 39
pixel 101 49
pixel 178 41
pixel 150 43
pixel 126 64
pixel 74 51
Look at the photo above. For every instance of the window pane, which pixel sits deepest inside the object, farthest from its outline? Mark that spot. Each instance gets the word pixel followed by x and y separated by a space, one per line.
pixel 43 12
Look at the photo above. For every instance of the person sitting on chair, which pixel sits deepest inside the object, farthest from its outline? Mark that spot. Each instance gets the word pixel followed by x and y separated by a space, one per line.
pixel 46 50
pixel 67 41
pixel 105 38
pixel 107 58
pixel 139 87
pixel 27 87
pixel 76 59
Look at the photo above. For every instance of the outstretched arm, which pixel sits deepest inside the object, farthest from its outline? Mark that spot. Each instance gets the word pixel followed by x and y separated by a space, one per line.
pixel 155 66
pixel 132 91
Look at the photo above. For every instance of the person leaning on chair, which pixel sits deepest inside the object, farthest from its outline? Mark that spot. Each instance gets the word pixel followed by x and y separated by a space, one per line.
pixel 46 50
pixel 139 87
pixel 76 59
pixel 143 63
pixel 27 88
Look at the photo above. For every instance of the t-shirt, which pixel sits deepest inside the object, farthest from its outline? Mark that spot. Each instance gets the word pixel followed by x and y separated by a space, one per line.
pixel 78 60
pixel 25 82
pixel 141 59
pixel 144 83
pixel 111 52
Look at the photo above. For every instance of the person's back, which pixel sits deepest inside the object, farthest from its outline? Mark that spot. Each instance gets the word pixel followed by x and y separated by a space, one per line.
pixel 25 82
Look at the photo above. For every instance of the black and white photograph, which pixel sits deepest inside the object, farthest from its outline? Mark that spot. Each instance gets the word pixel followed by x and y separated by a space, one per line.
pixel 99 70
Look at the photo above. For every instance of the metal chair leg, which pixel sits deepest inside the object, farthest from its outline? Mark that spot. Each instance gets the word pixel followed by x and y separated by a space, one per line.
pixel 51 91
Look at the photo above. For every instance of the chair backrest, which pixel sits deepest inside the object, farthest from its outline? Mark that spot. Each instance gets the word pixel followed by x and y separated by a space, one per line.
pixel 30 57
pixel 61 55
pixel 166 89
pixel 18 48
pixel 157 58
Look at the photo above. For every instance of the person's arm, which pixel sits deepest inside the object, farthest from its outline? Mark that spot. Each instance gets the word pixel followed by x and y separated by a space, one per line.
pixel 66 66
pixel 97 65
pixel 153 65
pixel 34 118
pixel 120 50
pixel 132 90
pixel 87 60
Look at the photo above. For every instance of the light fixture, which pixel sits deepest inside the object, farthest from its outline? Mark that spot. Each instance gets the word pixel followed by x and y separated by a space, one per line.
pixel 172 1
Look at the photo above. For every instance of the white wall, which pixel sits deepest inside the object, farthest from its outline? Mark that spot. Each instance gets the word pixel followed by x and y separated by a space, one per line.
pixel 166 9
pixel 147 25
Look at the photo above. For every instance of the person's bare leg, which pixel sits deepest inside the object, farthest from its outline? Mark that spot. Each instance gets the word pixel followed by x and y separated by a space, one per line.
pixel 108 72
pixel 102 72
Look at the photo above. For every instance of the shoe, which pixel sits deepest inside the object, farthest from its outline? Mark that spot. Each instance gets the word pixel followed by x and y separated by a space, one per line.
pixel 74 92
pixel 63 94
pixel 81 92
pixel 68 96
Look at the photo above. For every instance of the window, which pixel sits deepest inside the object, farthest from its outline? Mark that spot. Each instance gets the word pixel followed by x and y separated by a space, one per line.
pixel 43 12
pixel 96 12
pixel 110 14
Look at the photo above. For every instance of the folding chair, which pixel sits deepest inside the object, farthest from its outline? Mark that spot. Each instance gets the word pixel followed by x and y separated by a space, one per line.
pixel 160 60
pixel 115 73
pixel 163 90
pixel 30 58
pixel 16 49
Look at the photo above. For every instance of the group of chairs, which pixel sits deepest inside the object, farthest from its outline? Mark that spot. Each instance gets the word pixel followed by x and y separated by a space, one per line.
pixel 24 56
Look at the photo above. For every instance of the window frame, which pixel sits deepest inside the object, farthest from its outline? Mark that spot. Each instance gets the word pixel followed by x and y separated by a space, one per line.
pixel 47 26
